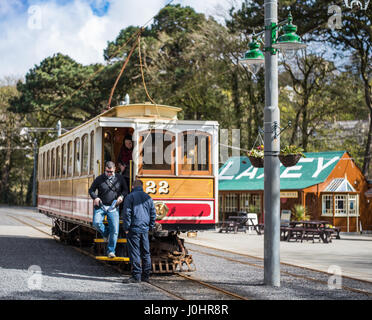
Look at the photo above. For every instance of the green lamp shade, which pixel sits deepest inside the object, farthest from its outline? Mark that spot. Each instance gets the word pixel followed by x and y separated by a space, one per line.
pixel 254 55
pixel 289 40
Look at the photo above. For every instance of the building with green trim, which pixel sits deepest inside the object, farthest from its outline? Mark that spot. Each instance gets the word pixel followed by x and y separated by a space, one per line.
pixel 328 184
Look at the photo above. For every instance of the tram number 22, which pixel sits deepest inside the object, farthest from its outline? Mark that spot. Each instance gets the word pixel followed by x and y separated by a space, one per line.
pixel 163 187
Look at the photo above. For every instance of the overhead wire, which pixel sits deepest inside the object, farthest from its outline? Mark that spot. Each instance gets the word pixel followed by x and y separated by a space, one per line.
pixel 113 55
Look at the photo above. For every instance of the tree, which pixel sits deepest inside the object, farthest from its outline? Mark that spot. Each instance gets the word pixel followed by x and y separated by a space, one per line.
pixel 59 89
pixel 13 147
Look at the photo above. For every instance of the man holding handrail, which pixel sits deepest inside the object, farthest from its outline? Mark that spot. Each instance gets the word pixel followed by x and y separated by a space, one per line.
pixel 112 189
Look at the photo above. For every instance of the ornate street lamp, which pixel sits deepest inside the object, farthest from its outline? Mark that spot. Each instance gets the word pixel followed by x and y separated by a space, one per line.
pixel 289 41
pixel 288 44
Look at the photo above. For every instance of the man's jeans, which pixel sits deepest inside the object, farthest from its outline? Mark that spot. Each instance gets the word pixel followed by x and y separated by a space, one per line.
pixel 139 249
pixel 111 230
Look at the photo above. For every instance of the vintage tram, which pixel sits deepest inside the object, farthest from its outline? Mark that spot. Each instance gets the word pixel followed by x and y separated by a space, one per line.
pixel 176 159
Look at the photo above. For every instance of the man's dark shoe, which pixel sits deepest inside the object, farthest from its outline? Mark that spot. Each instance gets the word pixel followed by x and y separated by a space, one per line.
pixel 145 279
pixel 132 280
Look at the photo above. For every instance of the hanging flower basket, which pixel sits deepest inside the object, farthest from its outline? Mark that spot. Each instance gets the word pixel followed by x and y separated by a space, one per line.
pixel 289 160
pixel 290 155
pixel 256 156
pixel 256 162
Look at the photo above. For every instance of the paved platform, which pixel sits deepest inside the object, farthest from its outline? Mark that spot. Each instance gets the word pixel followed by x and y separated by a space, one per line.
pixel 351 253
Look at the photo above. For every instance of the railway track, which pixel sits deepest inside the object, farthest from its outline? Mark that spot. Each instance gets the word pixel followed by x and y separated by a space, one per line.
pixel 210 291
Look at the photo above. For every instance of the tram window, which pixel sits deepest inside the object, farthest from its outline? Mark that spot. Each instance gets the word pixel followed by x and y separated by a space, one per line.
pixel 48 165
pixel 157 148
pixel 107 146
pixel 64 160
pixel 58 164
pixel 77 157
pixel 44 166
pixel 69 157
pixel 84 155
pixel 53 163
pixel 195 152
pixel 91 161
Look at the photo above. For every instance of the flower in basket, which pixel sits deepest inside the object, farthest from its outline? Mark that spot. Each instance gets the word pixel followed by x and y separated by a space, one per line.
pixel 257 152
pixel 292 149
pixel 256 156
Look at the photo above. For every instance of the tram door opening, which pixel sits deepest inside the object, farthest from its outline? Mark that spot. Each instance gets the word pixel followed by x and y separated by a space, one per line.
pixel 115 149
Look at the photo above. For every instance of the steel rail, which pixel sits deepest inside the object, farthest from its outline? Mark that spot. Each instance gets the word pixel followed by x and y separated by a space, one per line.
pixel 213 287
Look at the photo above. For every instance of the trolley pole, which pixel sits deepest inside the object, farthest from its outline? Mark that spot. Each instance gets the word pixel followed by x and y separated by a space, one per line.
pixel 271 151
pixel 34 177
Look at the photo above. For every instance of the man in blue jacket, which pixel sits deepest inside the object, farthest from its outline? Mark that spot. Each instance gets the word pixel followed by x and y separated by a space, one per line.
pixel 139 216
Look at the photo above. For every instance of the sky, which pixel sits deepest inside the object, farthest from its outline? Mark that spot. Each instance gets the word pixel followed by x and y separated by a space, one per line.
pixel 31 30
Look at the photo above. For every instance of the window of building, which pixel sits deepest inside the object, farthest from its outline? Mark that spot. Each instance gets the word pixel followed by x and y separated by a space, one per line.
pixel 157 152
pixel 91 161
pixel 195 153
pixel 231 202
pixel 327 205
pixel 340 205
pixel 84 155
pixel 345 204
pixel 353 204
pixel 77 157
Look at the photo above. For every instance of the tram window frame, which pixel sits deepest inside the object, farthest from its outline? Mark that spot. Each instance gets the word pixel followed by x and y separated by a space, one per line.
pixel 91 153
pixel 154 171
pixel 53 164
pixel 64 160
pixel 70 158
pixel 181 154
pixel 77 157
pixel 84 154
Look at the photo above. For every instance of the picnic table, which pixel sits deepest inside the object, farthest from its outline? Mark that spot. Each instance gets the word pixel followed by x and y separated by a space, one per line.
pixel 239 223
pixel 309 230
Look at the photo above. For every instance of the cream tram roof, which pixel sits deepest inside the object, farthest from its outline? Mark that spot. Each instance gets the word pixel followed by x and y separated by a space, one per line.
pixel 144 112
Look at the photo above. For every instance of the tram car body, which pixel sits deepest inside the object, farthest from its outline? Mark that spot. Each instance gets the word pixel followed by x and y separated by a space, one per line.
pixel 177 160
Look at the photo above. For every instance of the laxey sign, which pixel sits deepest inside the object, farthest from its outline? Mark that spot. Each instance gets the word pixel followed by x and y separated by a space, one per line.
pixel 238 174
pixel 362 4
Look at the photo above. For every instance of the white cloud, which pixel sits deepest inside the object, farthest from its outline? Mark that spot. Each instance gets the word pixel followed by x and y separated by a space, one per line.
pixel 31 34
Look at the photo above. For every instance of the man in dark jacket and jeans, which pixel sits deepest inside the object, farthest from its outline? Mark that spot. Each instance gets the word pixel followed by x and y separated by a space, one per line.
pixel 139 216
pixel 110 187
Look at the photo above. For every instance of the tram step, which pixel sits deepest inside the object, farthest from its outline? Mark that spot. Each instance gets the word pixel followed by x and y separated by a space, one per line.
pixel 100 240
pixel 104 258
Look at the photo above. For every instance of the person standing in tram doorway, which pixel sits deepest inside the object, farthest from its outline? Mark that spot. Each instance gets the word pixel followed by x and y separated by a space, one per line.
pixel 125 155
pixel 139 216
pixel 112 190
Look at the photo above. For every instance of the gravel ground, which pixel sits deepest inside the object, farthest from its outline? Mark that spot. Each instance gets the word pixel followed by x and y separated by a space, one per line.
pixel 247 280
